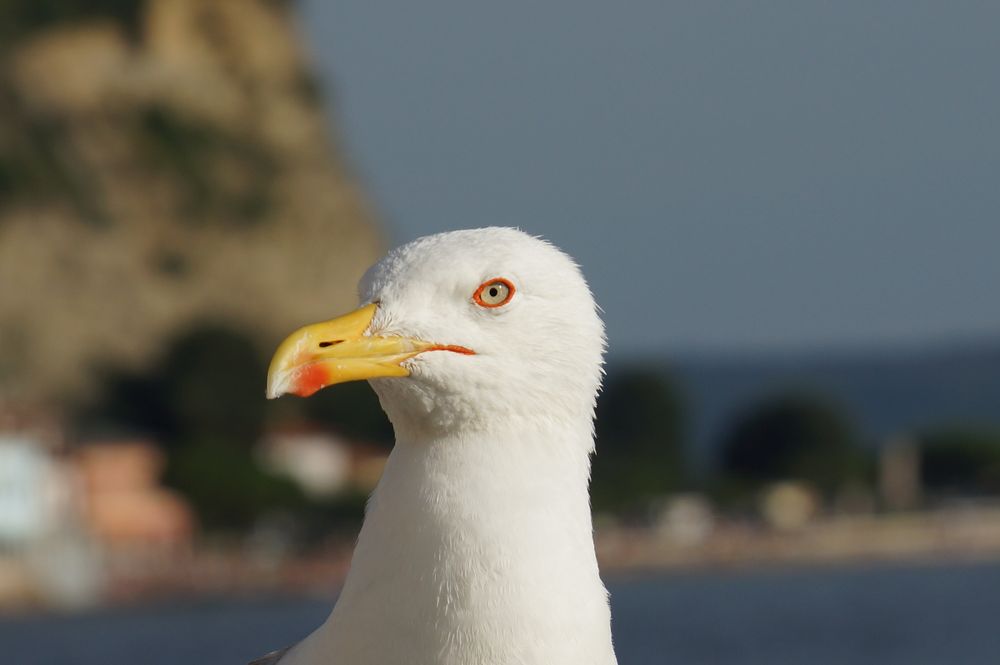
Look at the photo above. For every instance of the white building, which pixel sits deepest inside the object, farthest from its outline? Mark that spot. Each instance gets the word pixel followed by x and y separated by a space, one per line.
pixel 29 492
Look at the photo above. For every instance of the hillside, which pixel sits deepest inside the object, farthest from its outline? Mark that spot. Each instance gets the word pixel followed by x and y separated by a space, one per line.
pixel 162 163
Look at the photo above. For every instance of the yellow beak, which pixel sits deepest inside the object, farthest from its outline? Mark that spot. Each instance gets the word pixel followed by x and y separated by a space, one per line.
pixel 335 351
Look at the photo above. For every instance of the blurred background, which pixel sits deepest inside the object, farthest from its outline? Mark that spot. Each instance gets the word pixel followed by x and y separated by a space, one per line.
pixel 790 213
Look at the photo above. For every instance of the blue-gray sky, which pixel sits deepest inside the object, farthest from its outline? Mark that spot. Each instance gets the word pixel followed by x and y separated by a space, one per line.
pixel 731 175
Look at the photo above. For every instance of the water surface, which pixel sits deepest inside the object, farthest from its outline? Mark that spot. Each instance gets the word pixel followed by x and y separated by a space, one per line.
pixel 884 615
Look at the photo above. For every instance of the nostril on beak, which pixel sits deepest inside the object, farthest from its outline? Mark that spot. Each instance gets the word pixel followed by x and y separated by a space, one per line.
pixel 323 345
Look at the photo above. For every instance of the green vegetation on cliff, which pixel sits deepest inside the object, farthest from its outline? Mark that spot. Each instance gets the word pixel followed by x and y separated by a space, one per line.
pixel 20 18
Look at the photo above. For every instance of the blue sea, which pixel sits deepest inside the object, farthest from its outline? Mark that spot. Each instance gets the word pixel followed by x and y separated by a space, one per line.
pixel 910 615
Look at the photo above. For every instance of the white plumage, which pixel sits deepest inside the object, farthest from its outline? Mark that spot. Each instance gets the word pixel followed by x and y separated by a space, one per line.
pixel 477 544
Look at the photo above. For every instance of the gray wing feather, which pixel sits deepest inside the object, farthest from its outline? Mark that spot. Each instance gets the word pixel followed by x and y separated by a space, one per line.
pixel 270 659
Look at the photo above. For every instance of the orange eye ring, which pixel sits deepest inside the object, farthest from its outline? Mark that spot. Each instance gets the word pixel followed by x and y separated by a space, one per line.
pixel 493 293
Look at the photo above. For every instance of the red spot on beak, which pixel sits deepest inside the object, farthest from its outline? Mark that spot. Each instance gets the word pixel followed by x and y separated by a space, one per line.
pixel 310 379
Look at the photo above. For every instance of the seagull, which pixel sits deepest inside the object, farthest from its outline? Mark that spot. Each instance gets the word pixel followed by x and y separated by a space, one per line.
pixel 485 347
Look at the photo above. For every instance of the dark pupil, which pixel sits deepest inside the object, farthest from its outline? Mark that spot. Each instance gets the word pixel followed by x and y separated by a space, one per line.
pixel 494 291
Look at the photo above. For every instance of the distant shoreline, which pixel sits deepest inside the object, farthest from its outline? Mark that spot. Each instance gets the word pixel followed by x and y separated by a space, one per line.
pixel 947 536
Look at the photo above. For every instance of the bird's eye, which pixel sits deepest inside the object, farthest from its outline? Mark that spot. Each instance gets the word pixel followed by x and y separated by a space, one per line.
pixel 494 293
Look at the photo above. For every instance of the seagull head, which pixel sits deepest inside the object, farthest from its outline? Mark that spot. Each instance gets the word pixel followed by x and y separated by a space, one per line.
pixel 466 329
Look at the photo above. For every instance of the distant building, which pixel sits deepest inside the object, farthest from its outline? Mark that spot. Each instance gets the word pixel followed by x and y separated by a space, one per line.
pixel 367 464
pixel 124 505
pixel 321 463
pixel 685 519
pixel 899 474
pixel 789 505
pixel 30 484
pixel 45 555
pixel 66 514
pixel 317 461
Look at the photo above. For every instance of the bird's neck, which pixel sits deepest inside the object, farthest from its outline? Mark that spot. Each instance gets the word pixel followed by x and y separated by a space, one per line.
pixel 477 547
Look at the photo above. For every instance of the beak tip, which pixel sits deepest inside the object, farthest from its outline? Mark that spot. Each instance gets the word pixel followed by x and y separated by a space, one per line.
pixel 300 381
pixel 277 385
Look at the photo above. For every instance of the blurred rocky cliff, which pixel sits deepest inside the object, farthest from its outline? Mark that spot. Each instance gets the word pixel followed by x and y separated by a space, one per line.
pixel 162 162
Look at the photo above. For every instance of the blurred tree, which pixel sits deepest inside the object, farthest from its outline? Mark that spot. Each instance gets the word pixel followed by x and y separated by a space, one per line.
pixel 19 18
pixel 204 400
pixel 961 461
pixel 341 514
pixel 226 487
pixel 639 440
pixel 212 383
pixel 125 401
pixel 792 436
pixel 353 410
pixel 207 386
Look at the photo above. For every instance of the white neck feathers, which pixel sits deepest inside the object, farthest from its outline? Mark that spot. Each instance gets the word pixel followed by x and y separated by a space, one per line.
pixel 475 550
